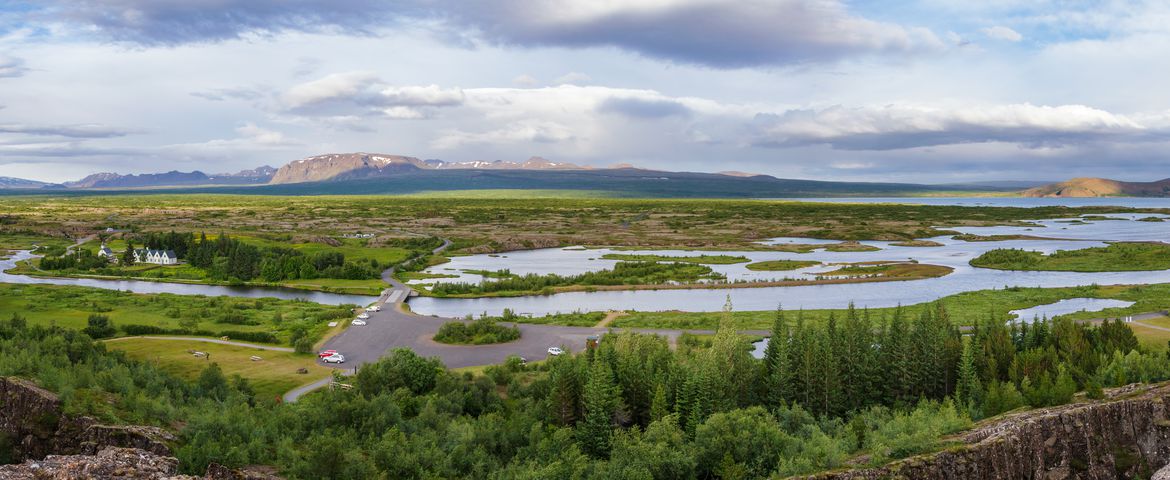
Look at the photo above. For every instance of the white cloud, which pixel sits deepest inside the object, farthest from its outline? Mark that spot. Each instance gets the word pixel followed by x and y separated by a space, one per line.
pixel 1000 32
pixel 526 132
pixel 429 95
pixel 893 127
pixel 261 136
pixel 573 78
pixel 331 87
pixel 525 81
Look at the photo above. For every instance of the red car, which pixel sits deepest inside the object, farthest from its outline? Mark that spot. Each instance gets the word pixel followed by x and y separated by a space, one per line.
pixel 325 353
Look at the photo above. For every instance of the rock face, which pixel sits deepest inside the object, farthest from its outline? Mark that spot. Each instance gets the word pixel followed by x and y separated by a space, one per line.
pixel 32 421
pixel 1100 187
pixel 344 166
pixel 1125 437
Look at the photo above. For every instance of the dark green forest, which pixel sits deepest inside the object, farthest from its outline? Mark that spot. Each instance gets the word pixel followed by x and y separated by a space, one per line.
pixel 630 408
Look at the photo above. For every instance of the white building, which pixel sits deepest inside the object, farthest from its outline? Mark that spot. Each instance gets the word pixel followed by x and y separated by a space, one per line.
pixel 159 257
pixel 105 252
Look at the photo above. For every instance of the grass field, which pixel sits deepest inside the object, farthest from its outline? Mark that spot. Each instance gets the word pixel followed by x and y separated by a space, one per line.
pixel 271 377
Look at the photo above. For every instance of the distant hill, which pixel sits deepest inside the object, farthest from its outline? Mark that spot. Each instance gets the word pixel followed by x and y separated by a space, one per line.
pixel 258 176
pixel 1101 187
pixel 10 182
pixel 627 182
pixel 350 166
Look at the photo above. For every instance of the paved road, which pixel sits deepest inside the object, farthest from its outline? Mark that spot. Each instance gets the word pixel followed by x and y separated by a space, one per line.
pixel 210 340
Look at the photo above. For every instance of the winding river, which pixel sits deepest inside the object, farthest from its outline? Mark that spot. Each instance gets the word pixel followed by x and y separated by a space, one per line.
pixel 1060 234
pixel 142 286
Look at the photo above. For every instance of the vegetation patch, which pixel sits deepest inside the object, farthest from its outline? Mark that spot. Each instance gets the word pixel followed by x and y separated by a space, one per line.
pixel 481 331
pixel 623 273
pixel 701 259
pixel 266 320
pixel 1151 219
pixel 1116 257
pixel 780 265
pixel 917 243
pixel 971 237
pixel 271 376
pixel 888 270
pixel 851 247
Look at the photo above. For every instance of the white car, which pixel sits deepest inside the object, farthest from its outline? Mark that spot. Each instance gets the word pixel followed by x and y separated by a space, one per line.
pixel 374 308
pixel 335 358
pixel 554 351
pixel 358 322
pixel 364 316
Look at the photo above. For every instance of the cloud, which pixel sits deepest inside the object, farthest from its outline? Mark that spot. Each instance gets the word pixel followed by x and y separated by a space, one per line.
pixel 643 108
pixel 364 93
pixel 525 80
pixel 573 78
pixel 261 136
pixel 1000 32
pixel 527 131
pixel 896 127
pixel 173 22
pixel 238 93
pixel 11 67
pixel 416 96
pixel 347 86
pixel 71 131
pixel 705 32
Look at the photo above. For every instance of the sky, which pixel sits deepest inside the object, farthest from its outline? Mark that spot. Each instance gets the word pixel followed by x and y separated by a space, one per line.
pixel 930 91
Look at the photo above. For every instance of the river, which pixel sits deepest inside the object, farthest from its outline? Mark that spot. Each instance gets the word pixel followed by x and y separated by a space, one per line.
pixel 141 286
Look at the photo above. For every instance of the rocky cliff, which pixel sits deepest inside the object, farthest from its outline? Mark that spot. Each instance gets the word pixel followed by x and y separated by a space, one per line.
pixel 1100 187
pixel 35 431
pixel 1127 436
pixel 344 166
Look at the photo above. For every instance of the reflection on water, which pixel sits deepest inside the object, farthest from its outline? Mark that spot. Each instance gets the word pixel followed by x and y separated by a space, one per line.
pixel 1062 234
pixel 139 286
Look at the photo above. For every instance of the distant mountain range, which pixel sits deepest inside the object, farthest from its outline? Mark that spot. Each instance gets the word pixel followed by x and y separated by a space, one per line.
pixel 1101 187
pixel 9 182
pixel 373 173
pixel 350 166
pixel 255 176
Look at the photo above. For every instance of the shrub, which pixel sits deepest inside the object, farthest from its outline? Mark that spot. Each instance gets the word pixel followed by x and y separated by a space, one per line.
pixel 477 332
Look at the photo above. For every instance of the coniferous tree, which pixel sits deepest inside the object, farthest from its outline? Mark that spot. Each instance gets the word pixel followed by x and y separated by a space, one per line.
pixel 128 255
pixel 969 389
pixel 600 399
pixel 777 364
pixel 659 408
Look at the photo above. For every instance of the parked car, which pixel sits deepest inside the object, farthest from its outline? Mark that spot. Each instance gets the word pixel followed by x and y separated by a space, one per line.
pixel 335 358
pixel 554 351
pixel 364 316
pixel 358 322
pixel 374 308
pixel 325 353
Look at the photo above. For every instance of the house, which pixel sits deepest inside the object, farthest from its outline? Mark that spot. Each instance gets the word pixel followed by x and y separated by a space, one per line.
pixel 158 257
pixel 105 252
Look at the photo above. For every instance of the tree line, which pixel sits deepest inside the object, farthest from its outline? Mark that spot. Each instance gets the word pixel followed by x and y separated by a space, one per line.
pixel 633 407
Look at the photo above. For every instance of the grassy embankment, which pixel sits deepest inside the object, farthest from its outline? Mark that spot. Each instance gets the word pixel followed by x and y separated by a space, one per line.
pixel 272 376
pixel 1116 257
